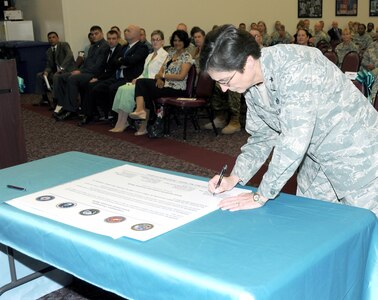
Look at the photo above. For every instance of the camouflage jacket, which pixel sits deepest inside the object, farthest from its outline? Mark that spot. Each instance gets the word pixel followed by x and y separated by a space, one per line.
pixel 308 110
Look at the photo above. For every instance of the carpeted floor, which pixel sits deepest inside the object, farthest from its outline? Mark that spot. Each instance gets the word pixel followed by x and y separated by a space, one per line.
pixel 202 154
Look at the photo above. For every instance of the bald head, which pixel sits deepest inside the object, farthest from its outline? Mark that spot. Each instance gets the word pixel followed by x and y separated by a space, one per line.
pixel 182 26
pixel 132 34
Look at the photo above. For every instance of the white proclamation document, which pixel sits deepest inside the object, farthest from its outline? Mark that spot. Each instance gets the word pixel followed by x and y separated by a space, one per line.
pixel 129 201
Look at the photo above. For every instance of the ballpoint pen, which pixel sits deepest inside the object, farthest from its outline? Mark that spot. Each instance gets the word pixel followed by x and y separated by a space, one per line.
pixel 10 186
pixel 221 174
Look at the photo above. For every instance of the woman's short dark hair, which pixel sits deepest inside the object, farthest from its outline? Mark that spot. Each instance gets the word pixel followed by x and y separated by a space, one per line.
pixel 227 49
pixel 196 30
pixel 305 31
pixel 182 36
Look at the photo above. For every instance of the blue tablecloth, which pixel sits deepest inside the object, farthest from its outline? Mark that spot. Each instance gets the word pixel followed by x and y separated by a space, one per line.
pixel 292 248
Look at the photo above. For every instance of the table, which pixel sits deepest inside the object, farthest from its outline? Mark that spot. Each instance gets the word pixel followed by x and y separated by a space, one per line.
pixel 292 248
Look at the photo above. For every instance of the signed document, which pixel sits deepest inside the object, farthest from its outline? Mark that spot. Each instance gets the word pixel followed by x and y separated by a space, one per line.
pixel 129 201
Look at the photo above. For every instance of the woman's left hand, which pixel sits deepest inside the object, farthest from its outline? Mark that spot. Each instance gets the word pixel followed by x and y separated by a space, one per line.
pixel 240 202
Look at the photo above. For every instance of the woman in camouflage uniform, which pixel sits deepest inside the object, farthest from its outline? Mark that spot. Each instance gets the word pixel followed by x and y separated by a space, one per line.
pixel 303 110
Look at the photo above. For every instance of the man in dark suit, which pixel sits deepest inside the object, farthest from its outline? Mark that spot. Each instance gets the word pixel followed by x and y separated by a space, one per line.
pixel 59 60
pixel 335 33
pixel 129 66
pixel 69 85
pixel 97 88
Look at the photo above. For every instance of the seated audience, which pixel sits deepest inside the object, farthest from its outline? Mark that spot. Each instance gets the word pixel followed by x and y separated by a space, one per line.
pixel 335 33
pixel 303 37
pixel 345 46
pixel 242 26
pixel 301 25
pixel 124 101
pixel 144 40
pixel 199 38
pixel 96 90
pixel 253 26
pixel 370 30
pixel 319 35
pixel 370 63
pixel 261 26
pixel 283 36
pixel 83 53
pixel 274 35
pixel 59 60
pixel 306 23
pixel 191 48
pixel 362 39
pixel 121 41
pixel 256 34
pixel 69 84
pixel 171 79
pixel 129 66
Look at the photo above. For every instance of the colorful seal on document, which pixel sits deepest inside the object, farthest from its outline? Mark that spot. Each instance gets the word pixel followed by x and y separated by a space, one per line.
pixel 142 227
pixel 66 205
pixel 89 212
pixel 45 198
pixel 115 219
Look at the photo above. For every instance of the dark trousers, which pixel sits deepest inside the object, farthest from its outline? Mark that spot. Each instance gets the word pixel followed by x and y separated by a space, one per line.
pixel 101 93
pixel 68 88
pixel 149 91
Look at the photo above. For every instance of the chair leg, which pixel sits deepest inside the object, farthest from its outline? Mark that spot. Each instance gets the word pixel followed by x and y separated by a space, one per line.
pixel 185 123
pixel 166 119
pixel 211 117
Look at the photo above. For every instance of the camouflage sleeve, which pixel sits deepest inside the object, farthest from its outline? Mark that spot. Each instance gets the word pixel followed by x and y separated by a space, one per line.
pixel 258 147
pixel 300 87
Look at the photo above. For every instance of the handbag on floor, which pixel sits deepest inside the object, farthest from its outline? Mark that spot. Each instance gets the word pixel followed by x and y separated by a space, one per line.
pixel 156 130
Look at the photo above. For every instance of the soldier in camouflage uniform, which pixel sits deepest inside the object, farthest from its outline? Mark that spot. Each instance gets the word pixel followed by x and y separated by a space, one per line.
pixel 370 63
pixel 319 35
pixel 305 111
pixel 226 107
pixel 345 46
pixel 362 39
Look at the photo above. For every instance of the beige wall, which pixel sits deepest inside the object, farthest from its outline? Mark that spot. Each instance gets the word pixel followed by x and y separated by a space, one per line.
pixel 47 15
pixel 73 18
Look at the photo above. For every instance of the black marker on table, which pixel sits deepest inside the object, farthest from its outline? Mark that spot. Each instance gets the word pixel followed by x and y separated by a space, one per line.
pixel 10 186
pixel 221 174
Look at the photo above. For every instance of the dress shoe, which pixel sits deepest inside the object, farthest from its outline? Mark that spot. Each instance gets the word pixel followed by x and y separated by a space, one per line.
pixel 56 116
pixel 42 102
pixel 84 120
pixel 138 115
pixel 66 115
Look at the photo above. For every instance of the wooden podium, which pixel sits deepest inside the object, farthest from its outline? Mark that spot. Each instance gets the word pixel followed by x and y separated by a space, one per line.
pixel 12 140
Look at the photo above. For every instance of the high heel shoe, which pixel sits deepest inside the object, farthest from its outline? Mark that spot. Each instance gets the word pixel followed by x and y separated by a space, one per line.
pixel 138 115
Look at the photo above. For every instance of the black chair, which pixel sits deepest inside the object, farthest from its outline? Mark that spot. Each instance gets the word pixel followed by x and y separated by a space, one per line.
pixel 189 106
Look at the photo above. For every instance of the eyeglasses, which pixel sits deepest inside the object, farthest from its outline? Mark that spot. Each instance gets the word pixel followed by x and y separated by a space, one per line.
pixel 155 40
pixel 227 82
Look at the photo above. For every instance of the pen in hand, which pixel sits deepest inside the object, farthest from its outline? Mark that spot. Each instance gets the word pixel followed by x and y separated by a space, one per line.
pixel 221 174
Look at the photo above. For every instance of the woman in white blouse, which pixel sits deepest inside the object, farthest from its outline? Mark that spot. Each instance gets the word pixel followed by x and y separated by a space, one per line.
pixel 124 101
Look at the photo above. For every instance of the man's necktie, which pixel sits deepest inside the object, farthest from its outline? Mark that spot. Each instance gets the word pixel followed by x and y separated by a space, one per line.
pixel 119 72
pixel 54 60
pixel 109 55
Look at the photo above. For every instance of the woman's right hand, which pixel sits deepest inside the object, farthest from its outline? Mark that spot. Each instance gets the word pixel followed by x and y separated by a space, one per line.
pixel 227 184
pixel 159 83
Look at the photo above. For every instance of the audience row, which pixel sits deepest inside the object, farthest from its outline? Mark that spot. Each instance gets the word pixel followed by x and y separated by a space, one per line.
pixel 120 77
